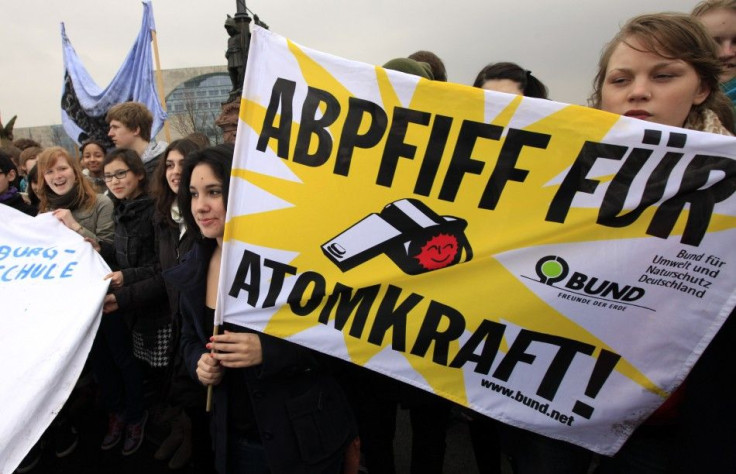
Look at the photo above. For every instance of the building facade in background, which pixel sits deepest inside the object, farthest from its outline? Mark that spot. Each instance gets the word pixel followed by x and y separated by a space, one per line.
pixel 194 105
pixel 193 100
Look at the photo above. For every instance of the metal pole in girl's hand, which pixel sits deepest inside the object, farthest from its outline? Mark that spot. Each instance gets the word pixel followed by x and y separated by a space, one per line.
pixel 208 408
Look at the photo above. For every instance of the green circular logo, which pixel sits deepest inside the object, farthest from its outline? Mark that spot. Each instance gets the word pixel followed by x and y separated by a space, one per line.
pixel 552 269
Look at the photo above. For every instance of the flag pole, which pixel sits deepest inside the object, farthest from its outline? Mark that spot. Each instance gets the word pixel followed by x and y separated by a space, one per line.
pixel 210 387
pixel 160 83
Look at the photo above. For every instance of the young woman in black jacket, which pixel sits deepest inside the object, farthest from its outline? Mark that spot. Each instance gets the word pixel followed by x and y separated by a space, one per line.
pixel 189 439
pixel 135 317
pixel 276 407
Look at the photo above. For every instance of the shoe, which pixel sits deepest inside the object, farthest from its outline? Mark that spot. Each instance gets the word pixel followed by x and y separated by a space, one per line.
pixel 115 426
pixel 32 458
pixel 66 439
pixel 134 435
pixel 182 455
pixel 180 427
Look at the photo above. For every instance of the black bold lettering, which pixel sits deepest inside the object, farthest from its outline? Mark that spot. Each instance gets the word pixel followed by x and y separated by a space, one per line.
pixel 702 201
pixel 489 333
pixel 345 303
pixel 576 281
pixel 250 265
pixel 590 286
pixel 557 369
pixel 462 161
pixel 395 146
pixel 618 189
pixel 432 158
pixel 281 94
pixel 389 315
pixel 280 270
pixel 576 180
pixel 505 169
pixel 515 355
pixel 633 294
pixel 429 332
pixel 311 126
pixel 349 139
pixel 297 296
pixel 614 291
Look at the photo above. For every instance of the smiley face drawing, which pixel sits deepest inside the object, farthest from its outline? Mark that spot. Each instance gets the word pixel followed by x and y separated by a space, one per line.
pixel 439 251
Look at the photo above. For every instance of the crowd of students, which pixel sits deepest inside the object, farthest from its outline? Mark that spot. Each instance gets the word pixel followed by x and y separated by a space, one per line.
pixel 282 408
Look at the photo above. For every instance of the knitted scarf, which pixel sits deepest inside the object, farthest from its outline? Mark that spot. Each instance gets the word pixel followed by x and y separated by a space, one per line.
pixel 70 200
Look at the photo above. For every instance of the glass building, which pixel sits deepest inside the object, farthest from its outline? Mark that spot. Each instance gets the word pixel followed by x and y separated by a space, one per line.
pixel 194 105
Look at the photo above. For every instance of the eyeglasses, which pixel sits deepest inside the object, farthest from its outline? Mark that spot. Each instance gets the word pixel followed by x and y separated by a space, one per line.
pixel 119 174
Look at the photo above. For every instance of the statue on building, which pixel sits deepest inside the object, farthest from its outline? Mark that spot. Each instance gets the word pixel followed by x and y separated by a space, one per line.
pixel 237 53
pixel 238 30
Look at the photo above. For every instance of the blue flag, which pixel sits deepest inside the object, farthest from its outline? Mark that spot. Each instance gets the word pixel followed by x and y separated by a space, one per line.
pixel 84 104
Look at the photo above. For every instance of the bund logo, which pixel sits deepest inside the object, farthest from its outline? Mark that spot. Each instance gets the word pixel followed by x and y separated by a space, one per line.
pixel 554 271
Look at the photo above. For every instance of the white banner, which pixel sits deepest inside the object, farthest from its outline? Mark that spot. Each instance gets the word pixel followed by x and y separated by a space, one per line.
pixel 51 292
pixel 555 267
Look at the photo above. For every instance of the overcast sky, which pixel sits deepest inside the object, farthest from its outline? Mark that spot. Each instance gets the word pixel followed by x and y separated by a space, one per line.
pixel 558 40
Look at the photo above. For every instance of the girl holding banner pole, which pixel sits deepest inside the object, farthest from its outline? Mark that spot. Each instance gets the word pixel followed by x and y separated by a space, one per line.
pixel 270 396
pixel 189 436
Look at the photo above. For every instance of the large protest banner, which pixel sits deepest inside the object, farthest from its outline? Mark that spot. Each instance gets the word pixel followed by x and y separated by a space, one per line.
pixel 555 267
pixel 51 289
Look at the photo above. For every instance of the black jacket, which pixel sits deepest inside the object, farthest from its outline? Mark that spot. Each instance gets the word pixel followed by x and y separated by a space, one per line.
pixel 170 249
pixel 183 391
pixel 16 202
pixel 134 252
pixel 302 415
